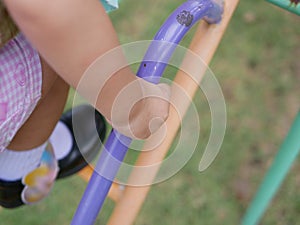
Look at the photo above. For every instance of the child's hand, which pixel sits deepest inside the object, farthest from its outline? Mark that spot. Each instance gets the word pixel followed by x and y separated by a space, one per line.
pixel 150 113
pixel 138 116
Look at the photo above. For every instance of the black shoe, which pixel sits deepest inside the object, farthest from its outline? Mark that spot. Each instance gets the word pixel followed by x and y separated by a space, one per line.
pixel 86 137
pixel 10 193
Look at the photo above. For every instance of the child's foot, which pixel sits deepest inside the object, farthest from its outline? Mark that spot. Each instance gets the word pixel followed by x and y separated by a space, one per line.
pixel 36 184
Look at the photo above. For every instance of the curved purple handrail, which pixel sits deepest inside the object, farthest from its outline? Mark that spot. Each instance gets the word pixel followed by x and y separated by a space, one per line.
pixel 151 69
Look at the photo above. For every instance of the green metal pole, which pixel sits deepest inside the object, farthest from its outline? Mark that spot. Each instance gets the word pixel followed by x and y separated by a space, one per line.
pixel 286 4
pixel 275 176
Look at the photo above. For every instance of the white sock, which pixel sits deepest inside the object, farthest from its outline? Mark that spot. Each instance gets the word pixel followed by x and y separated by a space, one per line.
pixel 61 140
pixel 15 164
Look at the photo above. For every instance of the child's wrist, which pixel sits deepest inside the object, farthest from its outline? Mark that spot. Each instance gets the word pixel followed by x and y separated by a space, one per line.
pixel 134 112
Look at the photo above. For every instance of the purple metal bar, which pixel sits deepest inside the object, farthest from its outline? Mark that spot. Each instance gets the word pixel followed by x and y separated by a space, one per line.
pixel 151 69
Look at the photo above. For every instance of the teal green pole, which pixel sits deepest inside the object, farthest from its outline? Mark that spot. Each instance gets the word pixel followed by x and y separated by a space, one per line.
pixel 286 4
pixel 275 176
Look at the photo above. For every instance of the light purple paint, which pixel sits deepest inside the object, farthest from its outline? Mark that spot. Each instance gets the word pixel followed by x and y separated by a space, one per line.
pixel 153 65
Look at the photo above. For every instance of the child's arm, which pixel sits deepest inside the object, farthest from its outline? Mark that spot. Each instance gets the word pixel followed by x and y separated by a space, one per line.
pixel 70 35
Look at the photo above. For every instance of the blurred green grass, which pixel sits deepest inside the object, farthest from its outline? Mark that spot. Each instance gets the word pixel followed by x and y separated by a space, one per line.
pixel 257 65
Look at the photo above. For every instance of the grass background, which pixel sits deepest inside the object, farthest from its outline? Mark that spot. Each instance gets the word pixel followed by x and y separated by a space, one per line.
pixel 257 65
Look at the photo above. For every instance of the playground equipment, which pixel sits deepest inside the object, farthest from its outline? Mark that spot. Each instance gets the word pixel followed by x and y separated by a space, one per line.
pixel 284 158
pixel 290 5
pixel 276 174
pixel 204 44
pixel 116 146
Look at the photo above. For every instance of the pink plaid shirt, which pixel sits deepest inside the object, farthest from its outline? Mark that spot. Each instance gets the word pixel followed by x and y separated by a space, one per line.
pixel 20 86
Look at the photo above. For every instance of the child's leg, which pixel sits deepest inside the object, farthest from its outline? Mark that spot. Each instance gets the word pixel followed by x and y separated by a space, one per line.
pixel 38 128
pixel 27 157
pixel 22 159
pixel 44 121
